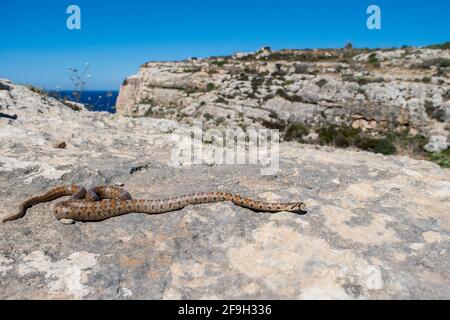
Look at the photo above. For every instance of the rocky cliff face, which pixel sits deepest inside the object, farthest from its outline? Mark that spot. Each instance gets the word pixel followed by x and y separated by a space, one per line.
pixel 376 226
pixel 377 91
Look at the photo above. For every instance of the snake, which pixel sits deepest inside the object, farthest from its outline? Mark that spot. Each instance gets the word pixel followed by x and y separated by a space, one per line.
pixel 104 202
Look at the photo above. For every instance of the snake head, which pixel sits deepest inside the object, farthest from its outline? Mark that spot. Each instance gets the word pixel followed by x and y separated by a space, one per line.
pixel 298 208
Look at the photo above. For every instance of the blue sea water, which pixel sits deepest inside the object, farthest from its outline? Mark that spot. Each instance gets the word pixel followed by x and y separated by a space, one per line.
pixel 100 100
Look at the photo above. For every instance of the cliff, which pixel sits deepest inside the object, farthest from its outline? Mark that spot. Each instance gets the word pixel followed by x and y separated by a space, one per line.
pixel 375 91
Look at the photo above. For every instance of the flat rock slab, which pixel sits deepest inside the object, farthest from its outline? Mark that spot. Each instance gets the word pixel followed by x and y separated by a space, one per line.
pixel 376 227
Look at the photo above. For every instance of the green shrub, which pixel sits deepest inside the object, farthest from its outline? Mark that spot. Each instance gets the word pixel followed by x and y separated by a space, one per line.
pixel 221 100
pixel 273 115
pixel 445 63
pixel 36 90
pixel 384 146
pixel 210 87
pixel 288 83
pixel 341 136
pixel 219 63
pixel 147 101
pixel 441 158
pixel 363 81
pixel 296 132
pixel 373 59
pixel 429 109
pixel 443 46
pixel 435 62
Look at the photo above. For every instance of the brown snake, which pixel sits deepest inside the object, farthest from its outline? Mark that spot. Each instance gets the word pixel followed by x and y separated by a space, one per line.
pixel 104 202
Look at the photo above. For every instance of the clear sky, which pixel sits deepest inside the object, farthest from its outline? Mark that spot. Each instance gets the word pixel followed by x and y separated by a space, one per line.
pixel 116 37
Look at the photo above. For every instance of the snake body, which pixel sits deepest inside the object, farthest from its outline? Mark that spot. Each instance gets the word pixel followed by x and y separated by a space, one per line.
pixel 104 202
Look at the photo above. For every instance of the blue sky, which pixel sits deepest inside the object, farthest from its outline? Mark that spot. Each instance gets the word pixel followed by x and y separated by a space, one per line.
pixel 117 37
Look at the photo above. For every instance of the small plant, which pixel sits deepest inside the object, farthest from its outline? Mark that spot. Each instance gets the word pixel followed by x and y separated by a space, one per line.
pixel 288 83
pixel 210 87
pixel 373 59
pixel 363 81
pixel 435 62
pixel 441 158
pixel 256 83
pixel 36 90
pixel 191 70
pixel 79 79
pixel 221 100
pixel 273 115
pixel 442 46
pixel 296 132
pixel 341 136
pixel 147 101
pixel 426 79
pixel 429 108
pixel 384 146
pixel 445 63
pixel 219 63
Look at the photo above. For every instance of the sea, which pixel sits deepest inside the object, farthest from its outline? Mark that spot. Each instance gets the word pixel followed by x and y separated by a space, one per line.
pixel 95 100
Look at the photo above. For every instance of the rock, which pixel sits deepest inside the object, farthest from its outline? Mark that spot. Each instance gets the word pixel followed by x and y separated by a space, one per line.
pixel 60 145
pixel 128 96
pixel 273 68
pixel 382 232
pixel 67 221
pixel 240 55
pixel 74 105
pixel 5 85
pixel 436 144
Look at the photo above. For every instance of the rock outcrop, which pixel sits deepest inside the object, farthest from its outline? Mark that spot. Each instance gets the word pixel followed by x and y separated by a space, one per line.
pixel 376 227
pixel 377 91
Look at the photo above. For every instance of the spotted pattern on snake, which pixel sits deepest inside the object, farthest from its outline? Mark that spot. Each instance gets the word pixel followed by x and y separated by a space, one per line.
pixel 104 202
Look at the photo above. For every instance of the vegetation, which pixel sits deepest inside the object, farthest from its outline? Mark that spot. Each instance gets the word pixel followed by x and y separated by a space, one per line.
pixel 288 83
pixel 221 100
pixel 191 70
pixel 79 78
pixel 373 60
pixel 37 90
pixel 442 46
pixel 435 62
pixel 147 101
pixel 441 158
pixel 219 63
pixel 361 80
pixel 296 132
pixel 402 142
pixel 210 87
